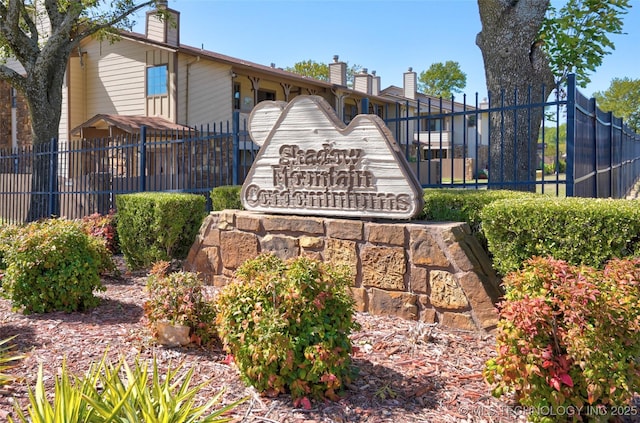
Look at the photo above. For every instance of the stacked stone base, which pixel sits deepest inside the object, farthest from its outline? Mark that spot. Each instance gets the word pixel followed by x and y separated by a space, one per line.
pixel 431 272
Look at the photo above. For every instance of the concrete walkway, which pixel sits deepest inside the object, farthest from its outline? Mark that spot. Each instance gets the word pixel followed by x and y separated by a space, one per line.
pixel 635 191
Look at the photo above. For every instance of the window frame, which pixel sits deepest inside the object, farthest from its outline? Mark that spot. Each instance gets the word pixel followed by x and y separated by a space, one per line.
pixel 152 86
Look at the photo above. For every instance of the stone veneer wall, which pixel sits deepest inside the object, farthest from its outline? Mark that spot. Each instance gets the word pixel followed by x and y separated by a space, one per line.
pixel 431 272
pixel 22 117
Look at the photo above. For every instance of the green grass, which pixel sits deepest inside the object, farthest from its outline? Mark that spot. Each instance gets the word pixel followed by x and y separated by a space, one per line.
pixel 549 187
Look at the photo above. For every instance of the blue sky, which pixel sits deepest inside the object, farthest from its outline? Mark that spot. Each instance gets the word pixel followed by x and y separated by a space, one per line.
pixel 382 35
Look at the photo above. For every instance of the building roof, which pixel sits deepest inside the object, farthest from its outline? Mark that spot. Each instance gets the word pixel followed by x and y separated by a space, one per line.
pixel 130 124
pixel 397 93
pixel 250 66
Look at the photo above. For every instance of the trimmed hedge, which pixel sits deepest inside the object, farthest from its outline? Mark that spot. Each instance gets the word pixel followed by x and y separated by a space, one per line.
pixel 464 205
pixel 226 197
pixel 155 226
pixel 449 204
pixel 577 230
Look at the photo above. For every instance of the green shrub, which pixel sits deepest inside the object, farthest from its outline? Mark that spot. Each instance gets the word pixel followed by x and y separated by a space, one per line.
pixel 120 393
pixel 569 338
pixel 287 325
pixel 155 226
pixel 178 298
pixel 464 205
pixel 7 234
pixel 104 228
pixel 226 197
pixel 562 166
pixel 551 169
pixel 53 265
pixel 578 230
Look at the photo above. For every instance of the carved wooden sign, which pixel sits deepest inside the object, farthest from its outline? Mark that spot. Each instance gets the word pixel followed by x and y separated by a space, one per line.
pixel 309 163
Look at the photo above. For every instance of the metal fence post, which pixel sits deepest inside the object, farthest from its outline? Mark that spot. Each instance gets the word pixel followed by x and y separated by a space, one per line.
pixel 612 165
pixel 236 147
pixel 571 133
pixel 593 112
pixel 142 160
pixel 53 208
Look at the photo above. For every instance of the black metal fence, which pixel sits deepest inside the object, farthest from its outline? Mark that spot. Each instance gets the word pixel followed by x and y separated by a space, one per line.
pixel 578 151
pixel 603 154
pixel 581 151
pixel 89 174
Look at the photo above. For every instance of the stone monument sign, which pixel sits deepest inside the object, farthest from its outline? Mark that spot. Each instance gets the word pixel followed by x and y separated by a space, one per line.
pixel 309 163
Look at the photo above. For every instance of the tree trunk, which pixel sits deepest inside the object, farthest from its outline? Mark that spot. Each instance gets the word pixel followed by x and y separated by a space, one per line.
pixel 517 73
pixel 44 95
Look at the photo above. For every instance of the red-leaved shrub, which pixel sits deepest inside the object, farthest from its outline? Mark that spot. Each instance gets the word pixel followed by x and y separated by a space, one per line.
pixel 569 339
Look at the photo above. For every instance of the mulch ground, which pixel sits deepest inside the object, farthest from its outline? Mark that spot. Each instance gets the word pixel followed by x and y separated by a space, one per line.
pixel 408 371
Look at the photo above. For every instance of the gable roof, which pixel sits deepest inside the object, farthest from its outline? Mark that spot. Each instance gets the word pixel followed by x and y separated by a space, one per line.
pixel 397 93
pixel 250 66
pixel 130 124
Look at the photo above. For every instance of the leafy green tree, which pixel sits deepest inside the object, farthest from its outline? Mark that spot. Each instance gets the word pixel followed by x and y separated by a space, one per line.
pixel 623 99
pixel 311 68
pixel 442 79
pixel 555 140
pixel 576 36
pixel 514 61
pixel 40 35
pixel 352 70
pixel 525 51
pixel 320 71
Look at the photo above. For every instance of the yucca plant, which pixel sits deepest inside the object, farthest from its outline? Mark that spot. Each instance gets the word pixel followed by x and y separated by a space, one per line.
pixel 69 403
pixel 122 394
pixel 168 399
pixel 6 360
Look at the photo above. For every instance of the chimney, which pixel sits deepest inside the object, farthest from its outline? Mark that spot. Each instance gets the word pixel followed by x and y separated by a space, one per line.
pixel 375 84
pixel 165 28
pixel 410 84
pixel 362 82
pixel 338 72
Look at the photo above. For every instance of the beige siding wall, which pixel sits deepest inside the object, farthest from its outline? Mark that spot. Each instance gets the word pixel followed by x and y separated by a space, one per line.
pixel 162 105
pixel 42 20
pixel 15 65
pixel 173 30
pixel 204 92
pixel 76 93
pixel 63 132
pixel 63 126
pixel 165 30
pixel 115 78
pixel 155 28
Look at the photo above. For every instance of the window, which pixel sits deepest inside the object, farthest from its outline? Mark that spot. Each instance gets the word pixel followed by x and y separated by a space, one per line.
pixel 236 96
pixel 350 111
pixel 157 80
pixel 375 109
pixel 434 153
pixel 266 95
pixel 431 125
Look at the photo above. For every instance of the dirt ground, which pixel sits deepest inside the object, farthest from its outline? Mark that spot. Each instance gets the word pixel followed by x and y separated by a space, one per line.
pixel 408 371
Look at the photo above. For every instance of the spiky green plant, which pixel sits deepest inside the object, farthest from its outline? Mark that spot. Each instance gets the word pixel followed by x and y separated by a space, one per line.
pixel 122 394
pixel 168 399
pixel 7 359
pixel 69 404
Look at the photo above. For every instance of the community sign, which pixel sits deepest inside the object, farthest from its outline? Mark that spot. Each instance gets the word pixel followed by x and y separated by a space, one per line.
pixel 309 163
